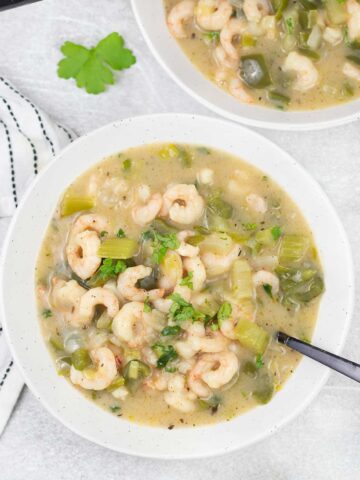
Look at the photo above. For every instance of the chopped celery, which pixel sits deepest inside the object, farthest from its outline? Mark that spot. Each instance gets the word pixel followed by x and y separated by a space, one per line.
pixel 135 370
pixel 202 230
pixel 117 383
pixel 299 286
pixel 308 18
pixel 219 207
pixel 217 243
pixel 217 223
pixel 279 7
pixel 207 304
pixel 163 227
pixel 252 336
pixel 278 98
pixel 238 237
pixel 70 205
pixel 315 38
pixel 307 52
pixel 56 343
pixel 168 152
pixel 248 40
pixel 293 249
pixel 336 11
pixel 80 359
pixel 171 266
pixel 264 237
pixel 264 390
pixel 254 71
pixel 104 321
pixel 241 279
pixel 118 248
pixel 195 240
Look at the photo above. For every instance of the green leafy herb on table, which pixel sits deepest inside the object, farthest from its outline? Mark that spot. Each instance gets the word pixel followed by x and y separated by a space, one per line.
pixel 91 67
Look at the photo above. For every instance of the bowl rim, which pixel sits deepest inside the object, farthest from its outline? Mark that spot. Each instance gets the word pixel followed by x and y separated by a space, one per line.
pixel 286 124
pixel 15 350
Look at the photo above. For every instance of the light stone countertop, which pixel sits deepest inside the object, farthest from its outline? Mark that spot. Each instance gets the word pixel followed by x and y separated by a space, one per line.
pixel 323 443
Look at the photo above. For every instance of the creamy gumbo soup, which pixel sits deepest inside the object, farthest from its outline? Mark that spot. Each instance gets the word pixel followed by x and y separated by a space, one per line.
pixel 287 54
pixel 163 277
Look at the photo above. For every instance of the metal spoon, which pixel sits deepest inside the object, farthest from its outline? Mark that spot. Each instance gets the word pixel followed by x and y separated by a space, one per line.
pixel 342 365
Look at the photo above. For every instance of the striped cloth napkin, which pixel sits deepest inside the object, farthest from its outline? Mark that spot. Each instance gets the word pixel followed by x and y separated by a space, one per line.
pixel 28 140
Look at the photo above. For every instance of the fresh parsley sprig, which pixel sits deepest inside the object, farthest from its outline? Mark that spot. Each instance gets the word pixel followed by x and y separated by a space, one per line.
pixel 91 67
pixel 161 243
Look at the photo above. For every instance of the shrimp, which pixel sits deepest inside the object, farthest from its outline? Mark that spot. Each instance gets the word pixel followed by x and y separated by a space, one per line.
pixel 183 204
pixel 185 249
pixel 127 281
pixel 353 9
pixel 135 326
pixel 91 299
pixel 213 14
pixel 82 253
pixel 237 90
pixel 223 59
pixel 255 10
pixel 178 16
pixel 351 71
pixel 244 310
pixel 263 277
pixel 196 267
pixel 235 27
pixel 198 340
pixel 89 221
pixel 65 296
pixel 178 397
pixel 100 378
pixel 306 74
pixel 212 370
pixel 257 203
pixel 144 214
pixel 164 304
pixel 219 264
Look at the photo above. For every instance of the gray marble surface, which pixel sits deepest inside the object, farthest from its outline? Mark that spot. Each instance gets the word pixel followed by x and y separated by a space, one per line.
pixel 324 441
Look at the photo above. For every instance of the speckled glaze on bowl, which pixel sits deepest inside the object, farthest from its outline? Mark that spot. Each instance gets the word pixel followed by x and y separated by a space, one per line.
pixel 18 307
pixel 151 19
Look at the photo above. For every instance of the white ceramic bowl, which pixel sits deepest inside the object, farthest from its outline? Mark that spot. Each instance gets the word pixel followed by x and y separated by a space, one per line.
pixel 17 298
pixel 150 16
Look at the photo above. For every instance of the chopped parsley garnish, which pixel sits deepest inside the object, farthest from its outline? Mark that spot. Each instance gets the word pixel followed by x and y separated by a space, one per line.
pixel 276 232
pixel 268 290
pixel 181 310
pixel 188 281
pixel 103 234
pixel 290 25
pixel 115 408
pixel 147 306
pixel 250 226
pixel 91 67
pixel 259 361
pixel 127 164
pixel 47 313
pixel 161 243
pixel 170 330
pixel 120 233
pixel 109 269
pixel 165 354
pixel 212 36
pixel 224 312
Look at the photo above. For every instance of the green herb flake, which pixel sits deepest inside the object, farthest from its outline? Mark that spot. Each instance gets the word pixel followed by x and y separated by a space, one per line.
pixel 268 290
pixel 212 36
pixel 127 164
pixel 165 354
pixel 120 233
pixel 103 234
pixel 259 362
pixel 170 330
pixel 115 408
pixel 188 281
pixel 91 67
pixel 224 312
pixel 161 243
pixel 147 306
pixel 276 233
pixel 181 310
pixel 47 313
pixel 250 226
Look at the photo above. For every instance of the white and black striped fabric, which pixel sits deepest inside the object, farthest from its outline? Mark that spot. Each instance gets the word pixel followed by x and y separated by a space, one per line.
pixel 28 140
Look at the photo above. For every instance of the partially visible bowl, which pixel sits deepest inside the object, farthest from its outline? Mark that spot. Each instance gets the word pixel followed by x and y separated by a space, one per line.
pixel 18 304
pixel 152 22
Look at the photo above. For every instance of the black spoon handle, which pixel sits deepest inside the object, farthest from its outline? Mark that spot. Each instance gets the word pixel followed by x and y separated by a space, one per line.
pixel 5 4
pixel 342 365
